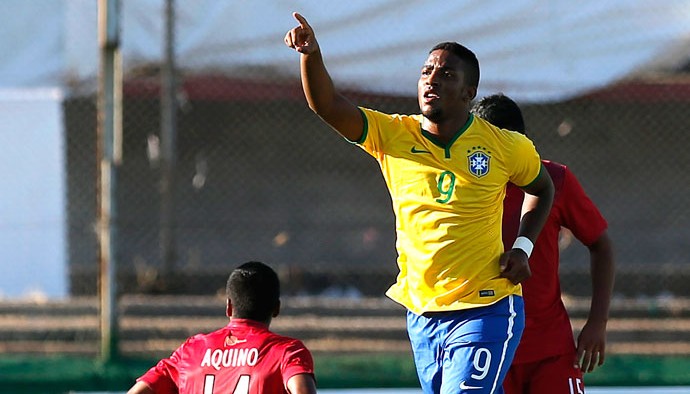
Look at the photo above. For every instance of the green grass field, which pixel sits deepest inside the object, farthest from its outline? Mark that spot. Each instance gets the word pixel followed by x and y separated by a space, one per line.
pixel 62 374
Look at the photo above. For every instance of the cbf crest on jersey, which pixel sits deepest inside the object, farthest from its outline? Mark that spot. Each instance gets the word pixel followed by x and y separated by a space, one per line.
pixel 478 161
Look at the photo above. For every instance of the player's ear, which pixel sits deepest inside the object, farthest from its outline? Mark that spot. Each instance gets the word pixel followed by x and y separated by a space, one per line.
pixel 228 308
pixel 470 92
pixel 276 311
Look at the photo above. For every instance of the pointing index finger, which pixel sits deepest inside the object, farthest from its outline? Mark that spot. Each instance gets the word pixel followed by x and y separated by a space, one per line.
pixel 302 21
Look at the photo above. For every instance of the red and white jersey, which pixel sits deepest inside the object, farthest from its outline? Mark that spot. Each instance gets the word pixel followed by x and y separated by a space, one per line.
pixel 547 326
pixel 241 358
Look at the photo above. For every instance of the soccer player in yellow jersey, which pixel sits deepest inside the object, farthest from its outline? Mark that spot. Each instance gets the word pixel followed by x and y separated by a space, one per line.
pixel 447 172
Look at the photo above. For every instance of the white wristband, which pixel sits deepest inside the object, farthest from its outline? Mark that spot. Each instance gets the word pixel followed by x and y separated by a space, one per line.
pixel 524 244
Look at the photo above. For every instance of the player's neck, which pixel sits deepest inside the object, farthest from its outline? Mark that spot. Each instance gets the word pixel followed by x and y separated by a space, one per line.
pixel 446 129
pixel 267 322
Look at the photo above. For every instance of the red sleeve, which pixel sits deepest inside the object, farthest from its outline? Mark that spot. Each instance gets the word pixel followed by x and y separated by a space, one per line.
pixel 580 215
pixel 296 360
pixel 162 377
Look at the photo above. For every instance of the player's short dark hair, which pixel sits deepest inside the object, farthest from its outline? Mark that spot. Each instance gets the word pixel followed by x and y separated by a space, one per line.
pixel 254 291
pixel 500 110
pixel 468 57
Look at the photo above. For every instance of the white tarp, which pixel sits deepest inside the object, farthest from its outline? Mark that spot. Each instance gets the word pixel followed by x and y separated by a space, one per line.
pixel 32 43
pixel 33 215
pixel 530 49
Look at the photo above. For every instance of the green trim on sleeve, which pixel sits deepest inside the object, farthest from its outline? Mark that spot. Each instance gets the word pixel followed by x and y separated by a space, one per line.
pixel 364 132
pixel 541 168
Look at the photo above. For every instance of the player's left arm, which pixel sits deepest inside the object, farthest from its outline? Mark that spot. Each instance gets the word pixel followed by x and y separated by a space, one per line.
pixel 582 217
pixel 591 343
pixel 514 263
pixel 140 388
pixel 302 383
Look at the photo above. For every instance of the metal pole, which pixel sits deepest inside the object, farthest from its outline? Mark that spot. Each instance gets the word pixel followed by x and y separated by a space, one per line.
pixel 168 144
pixel 108 156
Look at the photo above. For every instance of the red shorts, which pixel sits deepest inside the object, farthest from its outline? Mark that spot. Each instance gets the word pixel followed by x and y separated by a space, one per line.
pixel 554 375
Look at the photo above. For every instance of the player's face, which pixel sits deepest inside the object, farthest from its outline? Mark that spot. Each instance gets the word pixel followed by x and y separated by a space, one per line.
pixel 441 89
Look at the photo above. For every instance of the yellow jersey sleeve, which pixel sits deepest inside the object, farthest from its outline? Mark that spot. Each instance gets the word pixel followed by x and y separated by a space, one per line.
pixel 526 161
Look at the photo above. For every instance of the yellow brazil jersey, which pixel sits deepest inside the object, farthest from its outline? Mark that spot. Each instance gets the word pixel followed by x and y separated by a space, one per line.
pixel 448 203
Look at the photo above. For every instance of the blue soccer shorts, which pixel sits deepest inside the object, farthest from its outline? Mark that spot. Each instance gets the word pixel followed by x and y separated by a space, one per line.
pixel 466 351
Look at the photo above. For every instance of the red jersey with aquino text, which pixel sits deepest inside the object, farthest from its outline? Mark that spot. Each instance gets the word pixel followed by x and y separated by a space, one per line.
pixel 548 331
pixel 242 357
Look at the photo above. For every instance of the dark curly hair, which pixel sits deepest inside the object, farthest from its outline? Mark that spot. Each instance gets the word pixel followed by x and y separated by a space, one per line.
pixel 500 110
pixel 468 57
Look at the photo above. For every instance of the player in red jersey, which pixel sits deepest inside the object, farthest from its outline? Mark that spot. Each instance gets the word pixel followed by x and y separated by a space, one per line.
pixel 242 357
pixel 548 360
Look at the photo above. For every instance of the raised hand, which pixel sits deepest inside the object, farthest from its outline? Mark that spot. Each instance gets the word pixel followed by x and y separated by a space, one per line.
pixel 301 38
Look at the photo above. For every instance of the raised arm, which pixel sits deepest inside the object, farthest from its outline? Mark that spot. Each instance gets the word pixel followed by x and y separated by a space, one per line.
pixel 514 263
pixel 322 97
